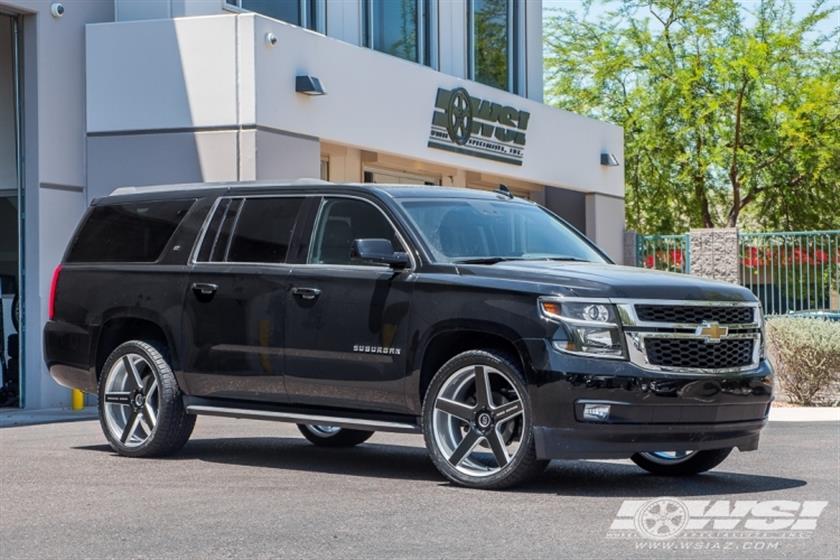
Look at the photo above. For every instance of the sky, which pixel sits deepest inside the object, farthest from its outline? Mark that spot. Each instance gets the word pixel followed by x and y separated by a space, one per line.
pixel 801 9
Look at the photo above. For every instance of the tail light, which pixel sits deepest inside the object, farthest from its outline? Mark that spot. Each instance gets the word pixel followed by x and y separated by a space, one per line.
pixel 53 288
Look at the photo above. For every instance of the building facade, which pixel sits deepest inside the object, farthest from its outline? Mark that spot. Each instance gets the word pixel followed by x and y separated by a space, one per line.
pixel 96 94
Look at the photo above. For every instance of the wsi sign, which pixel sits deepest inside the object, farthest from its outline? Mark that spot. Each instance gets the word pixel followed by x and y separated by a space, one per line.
pixel 478 127
pixel 721 524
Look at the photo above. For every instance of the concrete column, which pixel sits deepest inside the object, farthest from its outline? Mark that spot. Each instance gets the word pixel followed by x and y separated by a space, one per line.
pixel 630 241
pixel 714 254
pixel 605 224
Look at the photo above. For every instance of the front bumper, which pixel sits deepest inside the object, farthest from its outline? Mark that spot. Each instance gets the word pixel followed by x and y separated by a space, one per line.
pixel 649 411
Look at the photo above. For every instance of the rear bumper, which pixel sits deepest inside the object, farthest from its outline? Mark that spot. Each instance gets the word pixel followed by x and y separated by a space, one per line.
pixel 648 411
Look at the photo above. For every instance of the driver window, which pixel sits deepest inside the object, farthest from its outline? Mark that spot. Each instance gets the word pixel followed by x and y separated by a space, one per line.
pixel 340 222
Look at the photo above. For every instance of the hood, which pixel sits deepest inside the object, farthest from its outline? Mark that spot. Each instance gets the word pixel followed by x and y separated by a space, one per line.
pixel 611 281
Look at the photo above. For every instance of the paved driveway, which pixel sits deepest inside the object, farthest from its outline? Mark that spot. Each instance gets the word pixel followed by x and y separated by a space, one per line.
pixel 249 489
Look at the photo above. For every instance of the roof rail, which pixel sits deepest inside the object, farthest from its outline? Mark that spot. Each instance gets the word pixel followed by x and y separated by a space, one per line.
pixel 128 190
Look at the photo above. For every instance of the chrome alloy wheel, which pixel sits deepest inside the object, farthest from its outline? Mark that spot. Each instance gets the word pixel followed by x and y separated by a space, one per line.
pixel 323 431
pixel 667 457
pixel 478 420
pixel 131 400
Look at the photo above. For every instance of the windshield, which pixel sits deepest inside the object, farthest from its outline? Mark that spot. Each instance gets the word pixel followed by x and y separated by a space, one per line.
pixel 488 231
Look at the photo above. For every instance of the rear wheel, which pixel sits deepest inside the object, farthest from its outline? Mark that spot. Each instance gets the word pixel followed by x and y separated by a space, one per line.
pixel 680 463
pixel 333 436
pixel 140 406
pixel 477 422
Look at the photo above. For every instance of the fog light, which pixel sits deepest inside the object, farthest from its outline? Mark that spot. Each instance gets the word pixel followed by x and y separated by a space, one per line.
pixel 596 412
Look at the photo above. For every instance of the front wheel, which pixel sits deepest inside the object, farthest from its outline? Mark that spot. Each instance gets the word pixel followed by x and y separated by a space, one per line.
pixel 333 436
pixel 680 463
pixel 477 422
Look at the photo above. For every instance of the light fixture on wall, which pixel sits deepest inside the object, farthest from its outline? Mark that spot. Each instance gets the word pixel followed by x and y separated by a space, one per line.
pixel 309 85
pixel 609 160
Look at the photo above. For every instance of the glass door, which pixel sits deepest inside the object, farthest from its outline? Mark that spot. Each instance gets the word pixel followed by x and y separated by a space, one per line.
pixel 10 214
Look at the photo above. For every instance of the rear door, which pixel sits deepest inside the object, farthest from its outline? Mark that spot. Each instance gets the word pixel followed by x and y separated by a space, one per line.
pixel 347 321
pixel 235 303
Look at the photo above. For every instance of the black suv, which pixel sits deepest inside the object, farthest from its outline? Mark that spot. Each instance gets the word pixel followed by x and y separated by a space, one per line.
pixel 483 321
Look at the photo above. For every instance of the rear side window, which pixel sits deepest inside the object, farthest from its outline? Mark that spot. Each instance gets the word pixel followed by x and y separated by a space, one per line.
pixel 136 232
pixel 253 230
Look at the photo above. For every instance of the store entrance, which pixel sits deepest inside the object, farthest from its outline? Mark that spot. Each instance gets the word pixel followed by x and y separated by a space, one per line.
pixel 9 214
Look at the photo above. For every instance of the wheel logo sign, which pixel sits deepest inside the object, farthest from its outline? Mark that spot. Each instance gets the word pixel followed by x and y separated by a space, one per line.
pixel 459 116
pixel 662 518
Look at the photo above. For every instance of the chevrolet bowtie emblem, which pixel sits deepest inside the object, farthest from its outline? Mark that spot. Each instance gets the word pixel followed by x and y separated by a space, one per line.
pixel 711 332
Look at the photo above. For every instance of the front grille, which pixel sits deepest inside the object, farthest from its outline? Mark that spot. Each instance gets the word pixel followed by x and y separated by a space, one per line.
pixel 695 314
pixel 696 353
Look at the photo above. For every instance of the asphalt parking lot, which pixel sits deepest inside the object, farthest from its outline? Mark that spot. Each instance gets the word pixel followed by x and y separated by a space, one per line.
pixel 248 489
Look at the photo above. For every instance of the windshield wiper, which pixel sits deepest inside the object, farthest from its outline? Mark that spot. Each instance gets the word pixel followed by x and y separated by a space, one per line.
pixel 563 258
pixel 486 260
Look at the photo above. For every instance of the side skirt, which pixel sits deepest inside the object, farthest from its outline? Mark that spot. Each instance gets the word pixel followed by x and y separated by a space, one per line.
pixel 323 417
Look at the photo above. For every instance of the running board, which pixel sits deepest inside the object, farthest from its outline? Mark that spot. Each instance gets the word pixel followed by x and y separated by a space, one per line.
pixel 300 418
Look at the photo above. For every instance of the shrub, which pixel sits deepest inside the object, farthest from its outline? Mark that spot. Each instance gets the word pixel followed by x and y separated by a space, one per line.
pixel 806 355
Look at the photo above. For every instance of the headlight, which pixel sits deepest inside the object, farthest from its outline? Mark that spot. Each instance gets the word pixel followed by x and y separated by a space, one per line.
pixel 591 328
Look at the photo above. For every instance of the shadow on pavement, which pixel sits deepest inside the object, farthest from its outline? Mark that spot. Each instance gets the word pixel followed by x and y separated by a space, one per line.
pixel 565 478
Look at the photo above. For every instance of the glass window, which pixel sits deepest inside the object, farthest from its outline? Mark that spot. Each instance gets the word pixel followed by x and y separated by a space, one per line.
pixel 263 230
pixel 340 222
pixel 298 12
pixel 462 230
pixel 393 27
pixel 491 42
pixel 136 232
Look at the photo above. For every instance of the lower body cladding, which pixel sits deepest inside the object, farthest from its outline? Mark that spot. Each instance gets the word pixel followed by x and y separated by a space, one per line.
pixel 588 408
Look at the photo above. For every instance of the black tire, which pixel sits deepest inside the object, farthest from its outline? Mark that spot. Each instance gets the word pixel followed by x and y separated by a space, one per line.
pixel 173 425
pixel 523 463
pixel 342 437
pixel 697 462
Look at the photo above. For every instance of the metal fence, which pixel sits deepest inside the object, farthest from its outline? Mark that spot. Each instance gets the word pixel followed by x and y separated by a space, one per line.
pixel 792 271
pixel 664 252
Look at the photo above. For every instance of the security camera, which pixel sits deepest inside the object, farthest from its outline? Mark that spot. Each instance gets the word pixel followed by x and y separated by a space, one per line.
pixel 270 39
pixel 57 9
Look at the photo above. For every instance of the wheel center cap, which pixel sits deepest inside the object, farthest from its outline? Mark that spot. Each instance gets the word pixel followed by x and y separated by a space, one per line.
pixel 139 399
pixel 484 420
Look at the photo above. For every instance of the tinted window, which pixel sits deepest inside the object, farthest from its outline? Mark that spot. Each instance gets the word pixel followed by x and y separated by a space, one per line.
pixel 285 10
pixel 256 230
pixel 491 41
pixel 135 232
pixel 461 230
pixel 340 222
pixel 394 27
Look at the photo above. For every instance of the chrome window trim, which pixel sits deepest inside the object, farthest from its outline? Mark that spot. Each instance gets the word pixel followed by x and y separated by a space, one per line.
pixel 400 237
pixel 205 226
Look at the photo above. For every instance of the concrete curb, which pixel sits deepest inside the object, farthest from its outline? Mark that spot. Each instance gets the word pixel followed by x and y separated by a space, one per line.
pixel 12 418
pixel 805 414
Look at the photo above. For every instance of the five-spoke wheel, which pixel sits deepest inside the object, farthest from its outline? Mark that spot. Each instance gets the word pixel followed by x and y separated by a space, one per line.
pixel 679 463
pixel 477 424
pixel 140 406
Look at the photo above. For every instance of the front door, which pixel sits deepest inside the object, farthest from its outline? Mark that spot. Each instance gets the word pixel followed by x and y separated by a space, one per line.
pixel 347 322
pixel 236 297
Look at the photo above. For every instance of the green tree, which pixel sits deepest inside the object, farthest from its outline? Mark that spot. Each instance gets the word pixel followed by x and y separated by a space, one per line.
pixel 730 117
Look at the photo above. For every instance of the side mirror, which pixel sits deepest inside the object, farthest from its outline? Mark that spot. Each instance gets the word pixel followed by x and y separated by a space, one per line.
pixel 379 251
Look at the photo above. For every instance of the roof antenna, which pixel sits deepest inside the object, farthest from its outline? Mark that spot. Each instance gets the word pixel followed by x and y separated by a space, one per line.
pixel 505 191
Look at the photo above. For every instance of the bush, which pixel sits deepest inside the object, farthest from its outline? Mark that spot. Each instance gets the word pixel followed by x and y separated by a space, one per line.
pixel 806 355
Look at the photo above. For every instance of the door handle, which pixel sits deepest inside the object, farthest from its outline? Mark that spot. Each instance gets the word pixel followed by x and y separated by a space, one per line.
pixel 204 289
pixel 306 293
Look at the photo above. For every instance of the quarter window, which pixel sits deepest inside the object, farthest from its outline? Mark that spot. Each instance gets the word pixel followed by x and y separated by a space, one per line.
pixel 255 230
pixel 136 232
pixel 340 222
